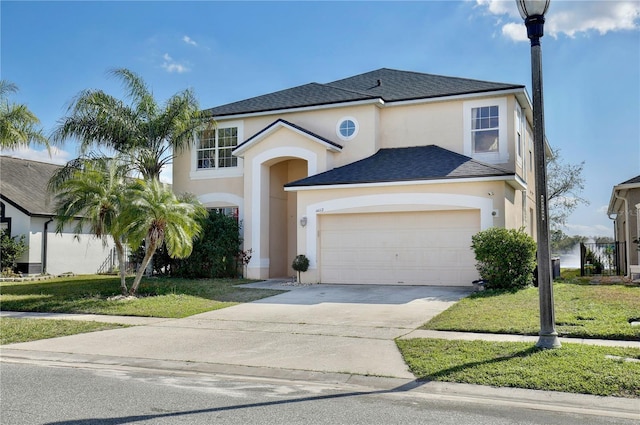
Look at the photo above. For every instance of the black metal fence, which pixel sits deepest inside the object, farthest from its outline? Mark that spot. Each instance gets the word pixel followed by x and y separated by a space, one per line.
pixel 600 259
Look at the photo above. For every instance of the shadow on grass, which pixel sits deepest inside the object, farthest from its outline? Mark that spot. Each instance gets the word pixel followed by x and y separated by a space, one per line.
pixel 455 369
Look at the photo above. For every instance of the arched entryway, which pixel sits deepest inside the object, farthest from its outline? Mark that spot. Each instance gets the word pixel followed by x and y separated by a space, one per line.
pixel 282 215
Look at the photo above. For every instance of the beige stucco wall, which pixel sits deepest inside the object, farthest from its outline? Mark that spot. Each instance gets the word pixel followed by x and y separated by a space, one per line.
pixel 438 123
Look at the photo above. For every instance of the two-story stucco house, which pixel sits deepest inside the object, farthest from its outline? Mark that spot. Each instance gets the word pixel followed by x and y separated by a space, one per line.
pixel 382 177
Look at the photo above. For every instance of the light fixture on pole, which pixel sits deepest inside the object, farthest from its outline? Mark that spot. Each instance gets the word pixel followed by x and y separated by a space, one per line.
pixel 532 11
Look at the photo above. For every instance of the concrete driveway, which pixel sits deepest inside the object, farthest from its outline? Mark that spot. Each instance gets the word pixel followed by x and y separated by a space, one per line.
pixel 322 328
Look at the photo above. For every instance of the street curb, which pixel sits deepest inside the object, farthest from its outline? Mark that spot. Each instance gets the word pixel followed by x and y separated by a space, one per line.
pixel 625 408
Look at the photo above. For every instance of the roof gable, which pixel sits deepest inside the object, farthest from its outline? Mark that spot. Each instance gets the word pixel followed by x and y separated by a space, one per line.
pixel 276 125
pixel 24 184
pixel 419 163
pixel 386 85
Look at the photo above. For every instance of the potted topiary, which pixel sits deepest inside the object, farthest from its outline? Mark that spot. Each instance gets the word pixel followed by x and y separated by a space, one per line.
pixel 300 264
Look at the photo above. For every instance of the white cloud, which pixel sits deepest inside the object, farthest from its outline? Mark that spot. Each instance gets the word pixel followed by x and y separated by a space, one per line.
pixel 589 230
pixel 499 7
pixel 171 65
pixel 189 40
pixel 57 156
pixel 570 18
pixel 516 32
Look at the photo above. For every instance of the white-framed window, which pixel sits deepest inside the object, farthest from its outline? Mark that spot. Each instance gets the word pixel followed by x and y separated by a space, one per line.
pixel 485 130
pixel 347 128
pixel 215 147
pixel 519 125
pixel 228 211
pixel 212 155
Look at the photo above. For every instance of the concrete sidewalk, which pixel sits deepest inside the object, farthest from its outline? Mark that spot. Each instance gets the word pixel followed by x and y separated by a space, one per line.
pixel 328 333
pixel 418 333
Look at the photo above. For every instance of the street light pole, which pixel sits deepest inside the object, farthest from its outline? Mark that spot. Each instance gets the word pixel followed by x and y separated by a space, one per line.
pixel 532 11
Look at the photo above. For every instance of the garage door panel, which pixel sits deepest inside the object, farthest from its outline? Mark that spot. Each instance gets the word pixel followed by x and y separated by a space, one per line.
pixel 399 248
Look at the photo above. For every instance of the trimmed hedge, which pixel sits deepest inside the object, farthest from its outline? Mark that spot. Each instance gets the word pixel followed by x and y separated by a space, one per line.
pixel 506 258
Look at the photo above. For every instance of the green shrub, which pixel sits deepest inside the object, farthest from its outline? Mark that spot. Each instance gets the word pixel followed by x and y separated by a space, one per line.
pixel 215 252
pixel 505 258
pixel 11 248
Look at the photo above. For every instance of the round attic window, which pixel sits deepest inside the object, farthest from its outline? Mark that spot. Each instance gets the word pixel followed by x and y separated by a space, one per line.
pixel 347 128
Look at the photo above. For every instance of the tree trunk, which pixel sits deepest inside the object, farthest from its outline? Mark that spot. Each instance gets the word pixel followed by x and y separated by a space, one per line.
pixel 151 249
pixel 122 266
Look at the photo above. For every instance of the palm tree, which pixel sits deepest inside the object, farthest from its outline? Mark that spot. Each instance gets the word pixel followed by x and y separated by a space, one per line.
pixel 92 192
pixel 143 130
pixel 18 125
pixel 154 215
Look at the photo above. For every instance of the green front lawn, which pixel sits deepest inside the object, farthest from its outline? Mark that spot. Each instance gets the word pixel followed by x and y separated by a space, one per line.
pixel 23 330
pixel 581 311
pixel 575 368
pixel 158 297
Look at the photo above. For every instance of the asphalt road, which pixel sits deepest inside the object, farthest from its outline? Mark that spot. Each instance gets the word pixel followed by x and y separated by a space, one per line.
pixel 37 394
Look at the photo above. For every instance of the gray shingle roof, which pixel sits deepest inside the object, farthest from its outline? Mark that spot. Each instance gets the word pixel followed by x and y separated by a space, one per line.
pixel 389 85
pixel 636 179
pixel 23 183
pixel 405 164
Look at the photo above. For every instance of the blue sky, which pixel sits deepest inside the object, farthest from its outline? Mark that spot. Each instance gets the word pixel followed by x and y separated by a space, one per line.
pixel 228 51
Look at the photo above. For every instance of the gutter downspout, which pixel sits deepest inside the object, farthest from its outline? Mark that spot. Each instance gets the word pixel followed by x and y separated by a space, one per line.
pixel 626 231
pixel 45 240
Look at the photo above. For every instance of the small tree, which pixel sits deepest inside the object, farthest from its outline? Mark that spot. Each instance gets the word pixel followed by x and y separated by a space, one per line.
pixel 565 185
pixel 300 264
pixel 11 248
pixel 155 215
pixel 506 257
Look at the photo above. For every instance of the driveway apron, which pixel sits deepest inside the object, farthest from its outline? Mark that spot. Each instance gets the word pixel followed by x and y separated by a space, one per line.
pixel 323 328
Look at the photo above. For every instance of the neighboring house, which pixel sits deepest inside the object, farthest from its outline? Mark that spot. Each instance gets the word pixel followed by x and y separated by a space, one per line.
pixel 625 205
pixel 379 178
pixel 24 210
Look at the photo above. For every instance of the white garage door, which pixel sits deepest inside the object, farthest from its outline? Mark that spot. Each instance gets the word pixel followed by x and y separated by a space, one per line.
pixel 407 248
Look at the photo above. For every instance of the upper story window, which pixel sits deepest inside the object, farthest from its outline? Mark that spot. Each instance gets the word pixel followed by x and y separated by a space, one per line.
pixel 215 147
pixel 485 130
pixel 212 156
pixel 347 128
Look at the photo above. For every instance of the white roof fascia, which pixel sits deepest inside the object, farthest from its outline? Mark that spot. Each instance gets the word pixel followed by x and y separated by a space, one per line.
pixel 615 199
pixel 453 97
pixel 299 109
pixel 242 149
pixel 511 178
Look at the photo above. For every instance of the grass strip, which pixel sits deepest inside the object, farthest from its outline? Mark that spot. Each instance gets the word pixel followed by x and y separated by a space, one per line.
pixel 581 311
pixel 14 330
pixel 157 297
pixel 574 368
